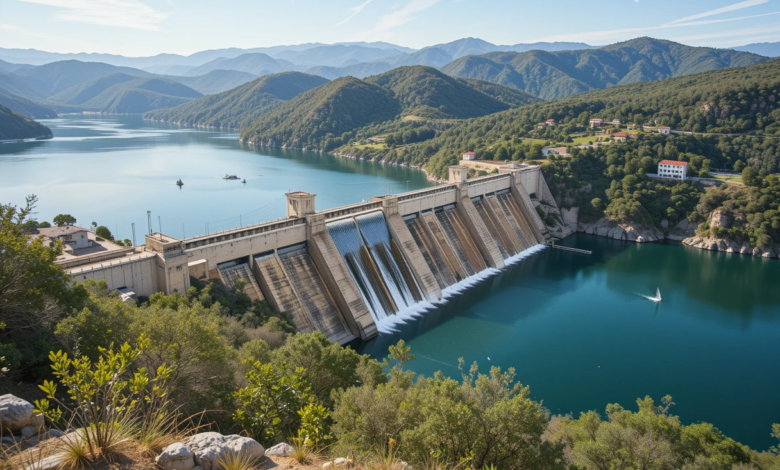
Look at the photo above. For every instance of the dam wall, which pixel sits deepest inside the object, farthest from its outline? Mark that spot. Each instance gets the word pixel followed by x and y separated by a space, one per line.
pixel 351 271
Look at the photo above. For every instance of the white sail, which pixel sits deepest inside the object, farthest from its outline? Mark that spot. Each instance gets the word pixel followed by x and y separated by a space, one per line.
pixel 658 294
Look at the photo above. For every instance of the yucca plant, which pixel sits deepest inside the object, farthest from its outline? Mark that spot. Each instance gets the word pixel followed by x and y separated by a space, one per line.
pixel 108 402
pixel 237 461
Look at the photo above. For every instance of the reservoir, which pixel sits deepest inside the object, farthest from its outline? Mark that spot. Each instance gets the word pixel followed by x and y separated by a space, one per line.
pixel 575 327
pixel 578 332
pixel 112 169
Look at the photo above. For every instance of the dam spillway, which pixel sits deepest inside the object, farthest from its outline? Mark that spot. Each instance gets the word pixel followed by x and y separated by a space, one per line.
pixel 351 271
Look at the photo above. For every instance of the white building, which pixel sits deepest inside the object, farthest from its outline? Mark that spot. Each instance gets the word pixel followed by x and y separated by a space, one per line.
pixel 563 151
pixel 665 130
pixel 70 235
pixel 673 169
pixel 469 156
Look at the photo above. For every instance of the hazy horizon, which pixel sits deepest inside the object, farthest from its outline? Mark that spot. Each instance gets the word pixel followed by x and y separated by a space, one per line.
pixel 142 28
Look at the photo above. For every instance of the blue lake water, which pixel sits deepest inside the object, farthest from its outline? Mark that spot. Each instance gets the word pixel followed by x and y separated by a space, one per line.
pixel 112 169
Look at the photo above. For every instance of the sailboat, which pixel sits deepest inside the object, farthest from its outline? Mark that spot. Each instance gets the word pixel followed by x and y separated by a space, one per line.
pixel 657 297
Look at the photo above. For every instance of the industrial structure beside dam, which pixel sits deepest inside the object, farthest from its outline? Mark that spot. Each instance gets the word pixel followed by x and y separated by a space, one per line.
pixel 344 271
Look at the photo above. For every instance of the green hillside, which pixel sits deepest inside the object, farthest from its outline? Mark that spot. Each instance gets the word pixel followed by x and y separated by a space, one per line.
pixel 728 101
pixel 553 75
pixel 361 70
pixel 124 94
pixel 240 105
pixel 216 81
pixel 319 117
pixel 15 126
pixel 426 92
pixel 331 115
pixel 511 96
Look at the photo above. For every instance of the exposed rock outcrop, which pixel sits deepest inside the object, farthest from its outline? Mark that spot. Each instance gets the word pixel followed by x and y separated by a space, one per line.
pixel 629 232
pixel 209 447
pixel 282 449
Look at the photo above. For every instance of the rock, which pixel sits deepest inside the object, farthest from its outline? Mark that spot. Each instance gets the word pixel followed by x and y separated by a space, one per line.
pixel 34 441
pixel 640 239
pixel 208 447
pixel 281 449
pixel 719 218
pixel 48 463
pixel 745 249
pixel 339 462
pixel 9 440
pixel 664 223
pixel 30 431
pixel 51 433
pixel 757 251
pixel 176 456
pixel 16 413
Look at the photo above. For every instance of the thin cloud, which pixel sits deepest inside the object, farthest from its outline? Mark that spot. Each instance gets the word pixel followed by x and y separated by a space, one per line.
pixel 718 11
pixel 618 34
pixel 402 16
pixel 772 28
pixel 120 13
pixel 355 11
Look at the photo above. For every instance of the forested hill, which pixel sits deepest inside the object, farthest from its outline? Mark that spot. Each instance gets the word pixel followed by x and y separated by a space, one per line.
pixel 330 115
pixel 736 100
pixel 240 105
pixel 554 75
pixel 15 126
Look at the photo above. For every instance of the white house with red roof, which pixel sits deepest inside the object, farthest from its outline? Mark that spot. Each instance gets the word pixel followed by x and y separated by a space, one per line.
pixel 673 169
pixel 620 137
pixel 550 122
pixel 665 130
pixel 596 122
pixel 469 156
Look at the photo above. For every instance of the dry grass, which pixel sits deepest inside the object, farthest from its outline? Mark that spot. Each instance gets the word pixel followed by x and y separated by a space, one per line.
pixel 238 461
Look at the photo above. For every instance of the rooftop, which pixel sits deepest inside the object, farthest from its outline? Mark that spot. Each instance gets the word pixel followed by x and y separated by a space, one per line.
pixel 673 162
pixel 54 232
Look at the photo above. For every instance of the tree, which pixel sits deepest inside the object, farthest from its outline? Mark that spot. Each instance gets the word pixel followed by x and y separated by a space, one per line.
pixel 64 219
pixel 104 233
pixel 750 176
pixel 33 290
pixel 739 165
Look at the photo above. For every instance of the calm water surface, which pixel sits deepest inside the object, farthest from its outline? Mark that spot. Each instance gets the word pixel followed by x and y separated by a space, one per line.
pixel 112 169
pixel 579 334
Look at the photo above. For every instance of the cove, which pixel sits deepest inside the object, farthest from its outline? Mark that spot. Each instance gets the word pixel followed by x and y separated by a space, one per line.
pixel 112 169
pixel 578 332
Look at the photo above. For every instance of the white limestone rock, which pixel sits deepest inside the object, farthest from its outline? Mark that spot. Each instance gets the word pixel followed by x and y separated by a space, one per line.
pixel 281 449
pixel 339 462
pixel 719 218
pixel 16 413
pixel 208 447
pixel 176 456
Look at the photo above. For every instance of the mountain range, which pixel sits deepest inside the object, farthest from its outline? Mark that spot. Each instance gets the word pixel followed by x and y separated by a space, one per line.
pixel 554 75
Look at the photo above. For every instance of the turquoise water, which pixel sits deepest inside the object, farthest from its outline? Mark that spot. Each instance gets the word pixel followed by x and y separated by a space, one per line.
pixel 112 169
pixel 578 332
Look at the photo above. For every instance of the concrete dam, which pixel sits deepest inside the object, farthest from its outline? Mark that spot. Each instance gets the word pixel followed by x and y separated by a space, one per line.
pixel 350 270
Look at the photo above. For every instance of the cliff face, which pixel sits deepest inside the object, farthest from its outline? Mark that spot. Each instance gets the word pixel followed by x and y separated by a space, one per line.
pixel 719 219
pixel 630 232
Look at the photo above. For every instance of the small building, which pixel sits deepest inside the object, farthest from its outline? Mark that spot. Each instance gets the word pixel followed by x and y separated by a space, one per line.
pixel 620 137
pixel 562 151
pixel 596 122
pixel 469 156
pixel 550 122
pixel 541 125
pixel 673 169
pixel 616 122
pixel 665 130
pixel 379 139
pixel 492 165
pixel 631 127
pixel 76 238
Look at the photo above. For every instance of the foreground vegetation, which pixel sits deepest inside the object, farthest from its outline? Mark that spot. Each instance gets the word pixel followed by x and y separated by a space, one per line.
pixel 235 365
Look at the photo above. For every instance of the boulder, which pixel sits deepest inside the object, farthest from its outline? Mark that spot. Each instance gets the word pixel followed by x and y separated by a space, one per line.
pixel 16 413
pixel 30 431
pixel 281 449
pixel 176 456
pixel 745 249
pixel 209 447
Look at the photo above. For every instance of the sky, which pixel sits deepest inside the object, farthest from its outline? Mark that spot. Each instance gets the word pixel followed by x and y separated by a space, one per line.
pixel 149 27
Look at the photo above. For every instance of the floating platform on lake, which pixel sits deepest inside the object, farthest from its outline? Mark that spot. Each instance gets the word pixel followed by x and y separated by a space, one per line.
pixel 552 244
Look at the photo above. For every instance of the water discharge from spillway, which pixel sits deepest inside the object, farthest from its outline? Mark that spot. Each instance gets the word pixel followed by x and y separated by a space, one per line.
pixel 395 273
pixel 349 242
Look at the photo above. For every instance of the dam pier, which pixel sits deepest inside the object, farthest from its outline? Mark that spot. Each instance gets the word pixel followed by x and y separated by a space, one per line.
pixel 349 270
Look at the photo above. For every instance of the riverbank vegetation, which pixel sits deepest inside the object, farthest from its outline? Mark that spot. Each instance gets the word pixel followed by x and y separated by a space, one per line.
pixel 237 366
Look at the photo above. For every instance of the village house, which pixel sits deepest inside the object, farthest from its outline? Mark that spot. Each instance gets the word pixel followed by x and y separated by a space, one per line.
pixel 550 122
pixel 673 169
pixel 469 156
pixel 620 137
pixel 541 125
pixel 665 130
pixel 76 238
pixel 596 122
